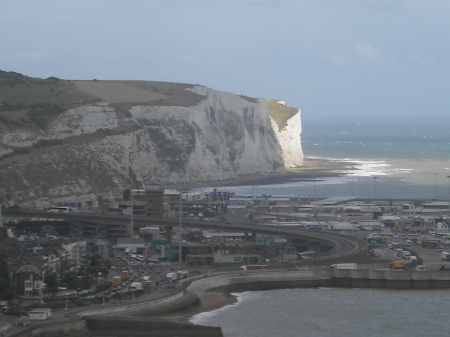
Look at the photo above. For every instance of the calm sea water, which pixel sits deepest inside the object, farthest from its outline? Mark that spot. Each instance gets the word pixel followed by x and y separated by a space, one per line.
pixel 386 159
pixel 330 312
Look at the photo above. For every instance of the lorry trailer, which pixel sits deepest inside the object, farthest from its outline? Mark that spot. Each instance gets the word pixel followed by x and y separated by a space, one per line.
pixel 397 264
pixel 117 280
pixel 136 286
pixel 254 267
pixel 182 274
pixel 171 277
pixel 445 256
pixel 124 275
pixel 344 266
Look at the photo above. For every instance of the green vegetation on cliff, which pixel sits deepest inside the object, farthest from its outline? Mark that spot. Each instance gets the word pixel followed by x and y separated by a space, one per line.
pixel 280 113
pixel 32 103
pixel 29 102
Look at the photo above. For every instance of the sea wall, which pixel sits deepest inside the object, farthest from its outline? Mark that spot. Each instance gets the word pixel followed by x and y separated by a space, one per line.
pixel 131 326
pixel 357 278
pixel 391 279
pixel 191 293
pixel 51 328
pixel 119 326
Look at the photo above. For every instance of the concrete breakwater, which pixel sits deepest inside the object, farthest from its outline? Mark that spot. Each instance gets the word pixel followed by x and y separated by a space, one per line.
pixel 118 322
pixel 322 277
pixel 190 294
pixel 391 279
pixel 119 326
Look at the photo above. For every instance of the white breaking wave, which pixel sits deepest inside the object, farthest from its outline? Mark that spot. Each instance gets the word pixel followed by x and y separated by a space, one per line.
pixel 368 168
pixel 203 317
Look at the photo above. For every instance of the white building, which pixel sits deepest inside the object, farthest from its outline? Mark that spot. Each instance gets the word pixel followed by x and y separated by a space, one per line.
pixel 74 252
pixel 40 314
pixel 441 228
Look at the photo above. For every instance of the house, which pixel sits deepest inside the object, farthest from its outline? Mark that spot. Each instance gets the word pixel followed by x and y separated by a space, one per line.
pixel 29 282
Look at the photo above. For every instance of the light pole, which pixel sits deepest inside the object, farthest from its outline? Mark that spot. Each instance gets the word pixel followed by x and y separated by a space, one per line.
pixel 375 188
pixel 180 211
pixel 314 192
pixel 352 182
pixel 131 195
pixel 448 193
pixel 435 187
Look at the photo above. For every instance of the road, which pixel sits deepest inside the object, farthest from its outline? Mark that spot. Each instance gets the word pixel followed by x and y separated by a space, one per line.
pixel 344 245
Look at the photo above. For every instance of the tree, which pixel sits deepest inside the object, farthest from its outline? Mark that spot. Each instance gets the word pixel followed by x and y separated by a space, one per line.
pixel 51 282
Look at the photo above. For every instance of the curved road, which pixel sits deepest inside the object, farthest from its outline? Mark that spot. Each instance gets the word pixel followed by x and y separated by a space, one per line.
pixel 344 245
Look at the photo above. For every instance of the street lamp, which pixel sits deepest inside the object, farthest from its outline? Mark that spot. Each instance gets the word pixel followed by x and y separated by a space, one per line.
pixel 314 190
pixel 375 188
pixel 180 211
pixel 131 194
pixel 352 181
pixel 448 193
pixel 435 187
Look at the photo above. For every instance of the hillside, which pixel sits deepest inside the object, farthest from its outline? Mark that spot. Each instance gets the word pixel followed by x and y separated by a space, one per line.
pixel 60 138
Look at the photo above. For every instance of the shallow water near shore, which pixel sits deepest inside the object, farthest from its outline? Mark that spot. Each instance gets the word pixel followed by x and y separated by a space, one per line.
pixel 363 178
pixel 327 312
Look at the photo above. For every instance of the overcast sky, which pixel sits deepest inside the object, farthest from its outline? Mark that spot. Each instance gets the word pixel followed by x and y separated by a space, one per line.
pixel 328 58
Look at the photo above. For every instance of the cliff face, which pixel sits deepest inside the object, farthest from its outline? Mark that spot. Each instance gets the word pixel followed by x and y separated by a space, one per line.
pixel 93 148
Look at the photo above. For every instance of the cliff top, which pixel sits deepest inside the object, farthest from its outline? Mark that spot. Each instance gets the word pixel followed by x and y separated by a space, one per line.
pixel 32 103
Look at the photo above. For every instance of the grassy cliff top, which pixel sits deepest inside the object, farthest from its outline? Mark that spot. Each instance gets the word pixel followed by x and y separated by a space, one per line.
pixel 281 113
pixel 29 102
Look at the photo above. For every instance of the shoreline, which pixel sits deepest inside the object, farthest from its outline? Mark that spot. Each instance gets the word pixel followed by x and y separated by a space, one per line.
pixel 209 301
pixel 313 169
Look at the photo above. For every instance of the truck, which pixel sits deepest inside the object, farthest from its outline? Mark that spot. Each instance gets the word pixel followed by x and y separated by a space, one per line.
pixel 117 280
pixel 171 277
pixel 182 274
pixel 254 267
pixel 445 256
pixel 344 266
pixel 136 286
pixel 397 264
pixel 342 226
pixel 405 254
pixel 124 275
pixel 429 244
pixel 147 281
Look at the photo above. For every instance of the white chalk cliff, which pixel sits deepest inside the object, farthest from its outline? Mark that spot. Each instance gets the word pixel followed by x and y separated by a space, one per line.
pixel 96 146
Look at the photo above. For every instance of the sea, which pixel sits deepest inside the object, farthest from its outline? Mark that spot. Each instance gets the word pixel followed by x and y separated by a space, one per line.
pixel 395 158
pixel 332 312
